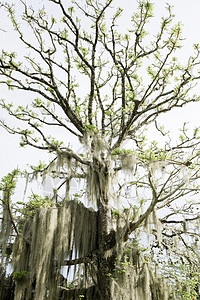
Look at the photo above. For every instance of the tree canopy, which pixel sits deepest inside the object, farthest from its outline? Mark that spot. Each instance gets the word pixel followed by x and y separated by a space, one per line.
pixel 102 85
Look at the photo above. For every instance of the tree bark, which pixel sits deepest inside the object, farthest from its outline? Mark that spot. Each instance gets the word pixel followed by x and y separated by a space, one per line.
pixel 106 236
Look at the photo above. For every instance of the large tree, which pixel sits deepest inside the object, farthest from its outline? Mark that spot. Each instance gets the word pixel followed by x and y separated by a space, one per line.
pixel 102 85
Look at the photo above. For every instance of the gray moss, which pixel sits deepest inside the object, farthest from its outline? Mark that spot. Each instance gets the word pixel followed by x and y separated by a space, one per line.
pixel 60 234
pixel 6 230
pixel 56 234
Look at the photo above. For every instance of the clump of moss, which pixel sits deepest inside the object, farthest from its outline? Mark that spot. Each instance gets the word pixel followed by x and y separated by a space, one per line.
pixel 20 276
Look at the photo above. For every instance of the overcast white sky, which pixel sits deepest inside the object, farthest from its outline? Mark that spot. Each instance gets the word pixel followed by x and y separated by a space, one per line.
pixel 11 155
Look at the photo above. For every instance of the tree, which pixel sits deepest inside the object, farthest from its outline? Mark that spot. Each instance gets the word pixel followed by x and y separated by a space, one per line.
pixel 104 87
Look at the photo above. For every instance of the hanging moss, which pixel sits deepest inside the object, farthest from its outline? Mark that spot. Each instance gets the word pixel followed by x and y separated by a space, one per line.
pixel 6 231
pixel 67 236
pixel 134 279
pixel 128 162
pixel 56 235
pixel 64 159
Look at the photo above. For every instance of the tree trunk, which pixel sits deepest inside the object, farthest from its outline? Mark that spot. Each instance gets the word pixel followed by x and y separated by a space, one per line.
pixel 106 235
pixel 105 268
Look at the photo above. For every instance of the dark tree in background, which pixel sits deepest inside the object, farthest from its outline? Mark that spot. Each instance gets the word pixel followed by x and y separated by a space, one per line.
pixel 102 85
